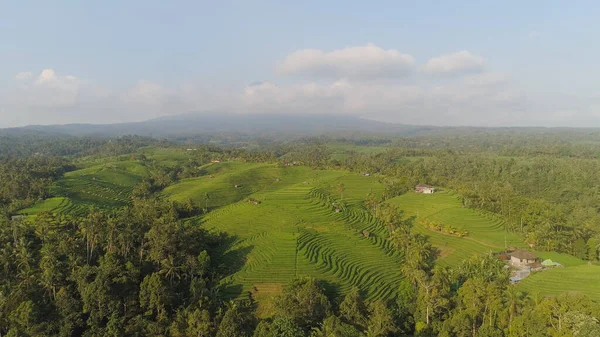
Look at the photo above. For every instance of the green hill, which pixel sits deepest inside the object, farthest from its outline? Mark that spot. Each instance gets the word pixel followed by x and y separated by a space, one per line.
pixel 485 231
pixel 104 186
pixel 295 230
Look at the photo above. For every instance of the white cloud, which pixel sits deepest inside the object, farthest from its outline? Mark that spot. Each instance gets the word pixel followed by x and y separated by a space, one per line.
pixel 47 75
pixel 23 76
pixel 456 63
pixel 47 89
pixel 363 62
pixel 484 98
pixel 146 93
pixel 475 100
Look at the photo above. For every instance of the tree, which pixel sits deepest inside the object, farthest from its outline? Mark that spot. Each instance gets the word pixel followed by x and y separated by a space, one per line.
pixel 304 301
pixel 372 203
pixel 381 321
pixel 341 187
pixel 513 300
pixel 434 293
pixel 198 324
pixel 279 327
pixel 352 308
pixel 154 296
pixel 593 245
pixel 407 305
pixel 237 322
pixel 334 327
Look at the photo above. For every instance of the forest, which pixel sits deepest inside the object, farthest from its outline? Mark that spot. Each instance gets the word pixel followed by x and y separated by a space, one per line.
pixel 145 270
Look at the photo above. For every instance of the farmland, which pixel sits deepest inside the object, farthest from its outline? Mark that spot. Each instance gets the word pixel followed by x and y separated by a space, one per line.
pixel 486 234
pixel 104 186
pixel 485 231
pixel 295 230
pixel 575 275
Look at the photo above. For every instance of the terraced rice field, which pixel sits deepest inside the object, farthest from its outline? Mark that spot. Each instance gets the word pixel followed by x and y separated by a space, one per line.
pixel 105 186
pixel 576 275
pixel 295 231
pixel 217 187
pixel 486 232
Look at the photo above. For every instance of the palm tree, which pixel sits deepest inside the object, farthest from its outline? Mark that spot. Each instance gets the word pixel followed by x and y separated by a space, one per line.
pixel 341 188
pixel 206 197
pixel 169 269
pixel 513 299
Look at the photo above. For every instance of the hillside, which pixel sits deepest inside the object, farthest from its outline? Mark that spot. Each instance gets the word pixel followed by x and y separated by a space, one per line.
pixel 103 186
pixel 485 232
pixel 295 230
pixel 194 124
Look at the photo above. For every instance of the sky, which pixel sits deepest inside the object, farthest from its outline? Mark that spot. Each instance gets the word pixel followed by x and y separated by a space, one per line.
pixel 488 63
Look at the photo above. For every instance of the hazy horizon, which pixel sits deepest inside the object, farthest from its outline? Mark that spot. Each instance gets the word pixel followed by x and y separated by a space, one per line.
pixel 442 64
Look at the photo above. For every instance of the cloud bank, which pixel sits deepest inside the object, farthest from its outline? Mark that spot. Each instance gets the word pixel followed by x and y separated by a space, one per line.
pixel 365 81
pixel 362 62
pixel 459 62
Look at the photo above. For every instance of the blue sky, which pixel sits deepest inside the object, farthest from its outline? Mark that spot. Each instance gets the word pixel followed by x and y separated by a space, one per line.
pixel 498 63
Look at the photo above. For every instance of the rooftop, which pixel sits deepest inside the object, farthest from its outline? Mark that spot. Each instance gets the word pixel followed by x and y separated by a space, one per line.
pixel 523 254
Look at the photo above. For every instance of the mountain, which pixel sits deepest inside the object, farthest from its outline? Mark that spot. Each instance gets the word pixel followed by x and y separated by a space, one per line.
pixel 210 123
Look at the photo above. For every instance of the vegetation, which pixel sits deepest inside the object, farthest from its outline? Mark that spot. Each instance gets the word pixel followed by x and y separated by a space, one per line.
pixel 139 237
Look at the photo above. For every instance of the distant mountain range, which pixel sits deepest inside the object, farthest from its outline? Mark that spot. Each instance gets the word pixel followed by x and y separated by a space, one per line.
pixel 210 123
pixel 287 126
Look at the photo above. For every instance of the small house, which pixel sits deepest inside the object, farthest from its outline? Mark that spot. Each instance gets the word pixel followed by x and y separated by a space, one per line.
pixel 215 161
pixel 522 258
pixel 18 217
pixel 424 188
pixel 236 185
pixel 366 233
pixel 253 201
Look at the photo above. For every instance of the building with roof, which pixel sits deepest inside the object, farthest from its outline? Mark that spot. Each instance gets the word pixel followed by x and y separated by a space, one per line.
pixel 424 188
pixel 521 258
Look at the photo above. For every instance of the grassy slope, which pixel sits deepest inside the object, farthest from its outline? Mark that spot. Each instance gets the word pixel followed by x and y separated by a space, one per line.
pixel 292 234
pixel 486 233
pixel 104 186
pixel 576 275
pixel 295 232
pixel 221 189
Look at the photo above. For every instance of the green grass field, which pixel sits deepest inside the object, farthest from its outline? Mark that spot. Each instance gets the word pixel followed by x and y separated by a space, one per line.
pixel 576 275
pixel 486 232
pixel 104 186
pixel 296 232
pixel 217 187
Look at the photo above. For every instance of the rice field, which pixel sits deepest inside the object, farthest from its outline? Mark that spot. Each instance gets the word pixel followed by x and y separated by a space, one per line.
pixel 296 232
pixel 485 231
pixel 304 226
pixel 582 278
pixel 104 186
